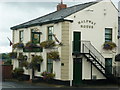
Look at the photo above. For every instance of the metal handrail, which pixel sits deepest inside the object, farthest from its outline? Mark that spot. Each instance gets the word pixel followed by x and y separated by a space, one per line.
pixel 99 60
pixel 95 56
pixel 87 47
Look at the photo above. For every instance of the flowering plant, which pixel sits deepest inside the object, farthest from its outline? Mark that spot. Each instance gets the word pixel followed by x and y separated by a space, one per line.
pixel 22 57
pixel 30 45
pixel 18 45
pixel 47 44
pixel 25 64
pixel 54 55
pixel 47 75
pixel 109 45
pixel 13 55
pixel 35 61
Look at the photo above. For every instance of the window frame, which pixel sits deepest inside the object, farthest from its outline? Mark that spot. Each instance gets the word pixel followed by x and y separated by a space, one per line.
pixel 110 35
pixel 49 64
pixel 33 32
pixel 21 35
pixel 48 34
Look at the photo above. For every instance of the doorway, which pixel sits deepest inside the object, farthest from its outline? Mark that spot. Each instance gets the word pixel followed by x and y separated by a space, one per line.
pixel 77 71
pixel 76 42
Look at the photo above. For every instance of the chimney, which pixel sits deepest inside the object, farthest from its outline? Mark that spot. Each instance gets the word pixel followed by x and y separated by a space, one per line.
pixel 61 6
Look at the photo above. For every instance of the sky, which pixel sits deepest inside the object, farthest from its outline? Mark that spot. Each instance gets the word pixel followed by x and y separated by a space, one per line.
pixel 14 12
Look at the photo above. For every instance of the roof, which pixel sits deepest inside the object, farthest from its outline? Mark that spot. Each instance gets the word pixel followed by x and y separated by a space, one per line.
pixel 55 17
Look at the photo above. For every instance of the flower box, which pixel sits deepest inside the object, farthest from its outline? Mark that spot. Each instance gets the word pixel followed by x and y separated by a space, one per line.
pixel 31 47
pixel 47 75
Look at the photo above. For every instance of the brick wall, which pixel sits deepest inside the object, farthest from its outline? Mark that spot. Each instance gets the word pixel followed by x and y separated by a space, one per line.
pixel 7 71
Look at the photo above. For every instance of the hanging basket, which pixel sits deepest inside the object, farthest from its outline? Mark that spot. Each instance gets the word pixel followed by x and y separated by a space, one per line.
pixel 47 44
pixel 18 45
pixel 109 46
pixel 54 55
pixel 35 61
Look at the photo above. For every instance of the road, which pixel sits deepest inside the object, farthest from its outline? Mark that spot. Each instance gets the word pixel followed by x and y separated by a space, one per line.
pixel 26 84
pixel 11 85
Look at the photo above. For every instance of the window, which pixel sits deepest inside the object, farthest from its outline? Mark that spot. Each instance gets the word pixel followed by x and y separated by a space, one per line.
pixel 108 65
pixel 38 67
pixel 19 61
pixel 108 34
pixel 21 36
pixel 50 33
pixel 35 36
pixel 49 65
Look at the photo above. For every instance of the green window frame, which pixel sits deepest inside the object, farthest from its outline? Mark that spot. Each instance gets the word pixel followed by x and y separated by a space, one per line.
pixel 108 34
pixel 50 33
pixel 21 36
pixel 35 36
pixel 49 65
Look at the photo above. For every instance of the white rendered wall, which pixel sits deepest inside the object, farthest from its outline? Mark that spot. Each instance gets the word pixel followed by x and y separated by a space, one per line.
pixel 105 15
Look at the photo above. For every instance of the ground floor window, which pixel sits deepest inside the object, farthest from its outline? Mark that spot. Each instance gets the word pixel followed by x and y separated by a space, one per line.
pixel 49 65
pixel 39 68
pixel 108 66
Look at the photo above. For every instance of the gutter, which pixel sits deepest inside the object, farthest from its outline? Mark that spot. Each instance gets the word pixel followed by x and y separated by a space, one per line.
pixel 40 24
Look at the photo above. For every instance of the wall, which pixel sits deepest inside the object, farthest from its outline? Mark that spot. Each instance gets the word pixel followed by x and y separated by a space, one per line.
pixel 7 71
pixel 43 37
pixel 87 71
pixel 104 14
pixel 65 51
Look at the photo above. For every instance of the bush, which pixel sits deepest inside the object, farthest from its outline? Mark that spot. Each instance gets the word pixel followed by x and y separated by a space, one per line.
pixel 18 71
pixel 8 62
pixel 13 55
pixel 47 75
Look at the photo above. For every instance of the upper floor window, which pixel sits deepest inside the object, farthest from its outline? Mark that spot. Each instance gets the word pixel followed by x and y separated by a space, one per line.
pixel 50 33
pixel 21 36
pixel 108 34
pixel 35 36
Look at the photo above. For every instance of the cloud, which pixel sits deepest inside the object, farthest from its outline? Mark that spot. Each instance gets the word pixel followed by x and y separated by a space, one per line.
pixel 5 49
pixel 14 13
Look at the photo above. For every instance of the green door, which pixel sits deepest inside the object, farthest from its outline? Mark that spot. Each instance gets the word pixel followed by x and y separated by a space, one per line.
pixel 76 42
pixel 108 66
pixel 77 71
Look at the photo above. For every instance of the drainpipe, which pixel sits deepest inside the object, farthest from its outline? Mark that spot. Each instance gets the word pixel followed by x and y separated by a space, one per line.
pixel 91 70
pixel 71 83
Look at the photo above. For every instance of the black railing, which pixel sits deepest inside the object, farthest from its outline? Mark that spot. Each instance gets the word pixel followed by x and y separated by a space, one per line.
pixel 88 48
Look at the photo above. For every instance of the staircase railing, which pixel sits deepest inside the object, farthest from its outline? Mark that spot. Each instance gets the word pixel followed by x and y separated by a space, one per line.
pixel 87 47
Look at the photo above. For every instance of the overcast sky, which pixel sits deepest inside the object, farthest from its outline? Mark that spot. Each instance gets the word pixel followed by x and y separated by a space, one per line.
pixel 13 13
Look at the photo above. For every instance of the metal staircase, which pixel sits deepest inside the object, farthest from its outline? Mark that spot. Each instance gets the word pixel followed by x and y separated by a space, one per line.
pixel 96 58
